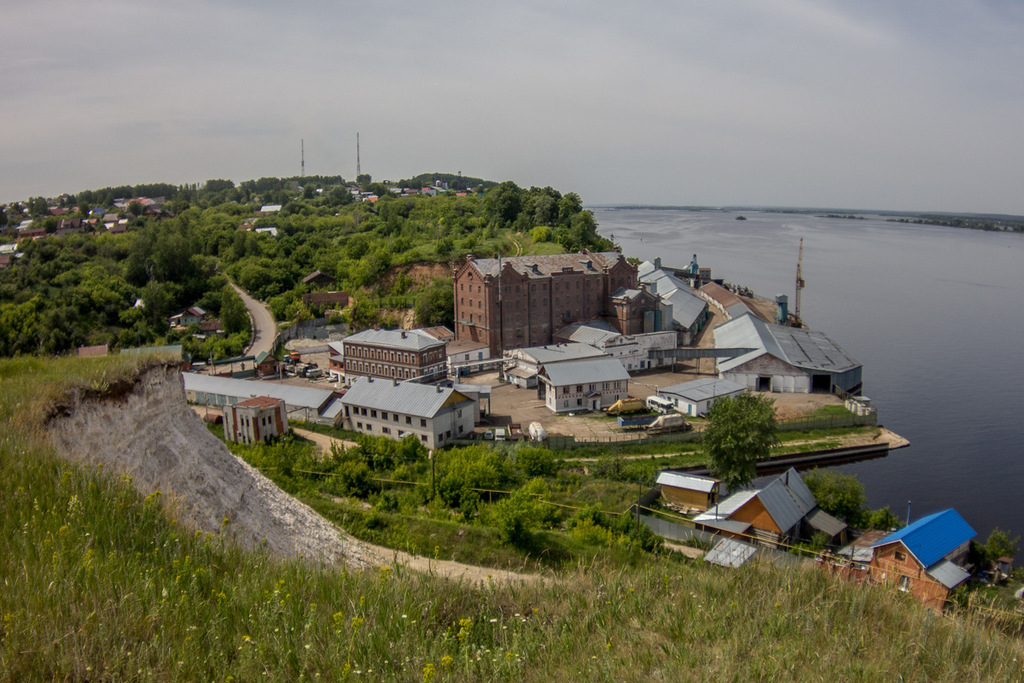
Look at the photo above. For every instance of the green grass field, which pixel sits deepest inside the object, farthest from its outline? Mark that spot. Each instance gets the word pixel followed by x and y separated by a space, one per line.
pixel 98 583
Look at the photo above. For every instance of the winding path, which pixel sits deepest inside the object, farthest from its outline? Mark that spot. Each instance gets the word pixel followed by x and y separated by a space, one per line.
pixel 264 330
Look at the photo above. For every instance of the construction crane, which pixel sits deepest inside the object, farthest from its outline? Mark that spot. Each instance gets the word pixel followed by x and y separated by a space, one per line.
pixel 797 320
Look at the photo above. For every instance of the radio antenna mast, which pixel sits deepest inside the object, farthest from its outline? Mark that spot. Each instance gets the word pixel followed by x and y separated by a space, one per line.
pixel 359 171
pixel 303 171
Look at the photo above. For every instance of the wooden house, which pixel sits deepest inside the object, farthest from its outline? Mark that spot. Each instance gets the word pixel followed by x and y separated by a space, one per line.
pixel 688 491
pixel 925 557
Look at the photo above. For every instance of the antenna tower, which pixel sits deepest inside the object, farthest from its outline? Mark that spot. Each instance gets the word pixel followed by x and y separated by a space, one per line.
pixel 359 171
pixel 797 320
pixel 303 172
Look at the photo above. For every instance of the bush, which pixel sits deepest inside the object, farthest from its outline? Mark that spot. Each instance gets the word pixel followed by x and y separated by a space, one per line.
pixel 536 461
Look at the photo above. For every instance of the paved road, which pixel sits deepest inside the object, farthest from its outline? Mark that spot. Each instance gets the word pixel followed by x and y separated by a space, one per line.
pixel 264 330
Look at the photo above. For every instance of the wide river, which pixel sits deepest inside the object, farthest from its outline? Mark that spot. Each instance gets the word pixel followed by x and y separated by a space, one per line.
pixel 936 316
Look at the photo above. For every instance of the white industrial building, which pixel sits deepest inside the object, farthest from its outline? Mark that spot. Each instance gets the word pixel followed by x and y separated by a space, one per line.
pixel 629 349
pixel 304 404
pixel 696 398
pixel 384 407
pixel 522 366
pixel 785 359
pixel 583 385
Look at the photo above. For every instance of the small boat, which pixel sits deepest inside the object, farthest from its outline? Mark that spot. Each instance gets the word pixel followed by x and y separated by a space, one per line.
pixel 741 218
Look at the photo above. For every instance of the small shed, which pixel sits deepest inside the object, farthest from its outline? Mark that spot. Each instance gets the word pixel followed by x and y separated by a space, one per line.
pixel 690 491
pixel 318 278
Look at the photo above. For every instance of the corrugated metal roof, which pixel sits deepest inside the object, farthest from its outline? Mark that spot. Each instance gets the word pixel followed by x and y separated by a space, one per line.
pixel 730 553
pixel 333 409
pixel 787 499
pixel 586 371
pixel 687 307
pixel 727 506
pixel 703 389
pixel 690 482
pixel 296 397
pixel 543 355
pixel 806 349
pixel 594 333
pixel 406 398
pixel 822 521
pixel 933 537
pixel 947 573
pixel 407 340
pixel 548 264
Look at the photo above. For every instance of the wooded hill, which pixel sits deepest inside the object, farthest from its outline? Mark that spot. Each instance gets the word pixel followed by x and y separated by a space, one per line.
pixel 92 287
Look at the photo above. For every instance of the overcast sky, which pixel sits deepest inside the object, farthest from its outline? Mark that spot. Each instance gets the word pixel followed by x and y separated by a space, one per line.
pixel 872 104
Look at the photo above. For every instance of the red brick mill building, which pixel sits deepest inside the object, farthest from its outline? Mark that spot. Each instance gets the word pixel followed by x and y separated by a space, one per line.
pixel 542 294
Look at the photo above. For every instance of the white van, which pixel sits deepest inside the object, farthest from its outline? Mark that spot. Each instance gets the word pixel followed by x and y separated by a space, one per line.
pixel 660 404
pixel 499 434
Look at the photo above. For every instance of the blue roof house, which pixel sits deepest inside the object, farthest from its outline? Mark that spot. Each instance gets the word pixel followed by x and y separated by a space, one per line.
pixel 925 557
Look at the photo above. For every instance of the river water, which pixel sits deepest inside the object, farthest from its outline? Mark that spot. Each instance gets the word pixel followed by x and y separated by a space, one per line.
pixel 936 316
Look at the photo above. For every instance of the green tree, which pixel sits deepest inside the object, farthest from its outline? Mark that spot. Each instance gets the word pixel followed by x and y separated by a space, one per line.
pixel 838 494
pixel 740 431
pixel 233 315
pixel 999 544
pixel 435 305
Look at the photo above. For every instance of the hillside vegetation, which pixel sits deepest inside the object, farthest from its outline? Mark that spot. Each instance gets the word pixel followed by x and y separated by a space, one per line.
pixel 97 582
pixel 93 287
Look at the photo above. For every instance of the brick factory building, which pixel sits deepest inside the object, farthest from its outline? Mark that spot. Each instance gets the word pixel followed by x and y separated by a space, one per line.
pixel 542 294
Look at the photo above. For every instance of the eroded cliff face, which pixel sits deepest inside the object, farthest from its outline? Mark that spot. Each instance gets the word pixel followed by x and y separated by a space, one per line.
pixel 148 432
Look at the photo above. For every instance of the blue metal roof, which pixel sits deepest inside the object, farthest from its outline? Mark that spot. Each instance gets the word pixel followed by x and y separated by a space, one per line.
pixel 933 537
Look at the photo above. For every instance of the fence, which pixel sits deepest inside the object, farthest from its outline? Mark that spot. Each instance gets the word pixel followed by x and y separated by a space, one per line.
pixel 558 442
pixel 798 424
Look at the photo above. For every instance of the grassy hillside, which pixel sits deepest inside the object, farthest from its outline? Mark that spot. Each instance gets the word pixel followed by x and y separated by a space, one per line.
pixel 99 583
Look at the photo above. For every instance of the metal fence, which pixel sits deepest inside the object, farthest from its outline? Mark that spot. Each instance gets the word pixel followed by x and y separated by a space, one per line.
pixel 798 424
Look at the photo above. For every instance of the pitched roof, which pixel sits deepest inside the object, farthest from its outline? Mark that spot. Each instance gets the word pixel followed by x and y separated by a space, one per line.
pixel 947 573
pixel 687 307
pixel 294 397
pixel 729 552
pixel 704 388
pixel 545 265
pixel 805 349
pixel 406 340
pixel 933 537
pixel 407 398
pixel 586 371
pixel 787 499
pixel 690 482
pixel 593 332
pixel 557 353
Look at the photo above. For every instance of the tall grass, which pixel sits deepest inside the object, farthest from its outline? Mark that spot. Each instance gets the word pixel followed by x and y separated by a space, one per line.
pixel 98 583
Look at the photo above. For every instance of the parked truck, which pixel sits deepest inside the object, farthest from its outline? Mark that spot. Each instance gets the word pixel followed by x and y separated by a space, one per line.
pixel 636 420
pixel 626 405
pixel 669 423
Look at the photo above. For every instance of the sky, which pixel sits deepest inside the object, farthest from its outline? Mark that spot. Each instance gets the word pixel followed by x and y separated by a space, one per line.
pixel 908 105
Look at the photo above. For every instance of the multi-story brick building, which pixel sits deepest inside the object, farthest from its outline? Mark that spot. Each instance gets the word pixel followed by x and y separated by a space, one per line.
pixel 539 295
pixel 392 354
pixel 257 419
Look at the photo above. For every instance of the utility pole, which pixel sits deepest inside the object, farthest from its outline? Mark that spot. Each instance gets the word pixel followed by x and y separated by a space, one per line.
pixel 303 171
pixel 359 171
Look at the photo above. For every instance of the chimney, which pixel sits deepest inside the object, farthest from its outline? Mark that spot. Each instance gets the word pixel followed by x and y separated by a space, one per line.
pixel 403 334
pixel 437 388
pixel 394 382
pixel 657 262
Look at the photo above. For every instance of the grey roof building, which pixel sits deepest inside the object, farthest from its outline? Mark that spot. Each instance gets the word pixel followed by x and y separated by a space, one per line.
pixel 696 397
pixel 302 403
pixel 581 385
pixel 785 359
pixel 689 311
pixel 435 415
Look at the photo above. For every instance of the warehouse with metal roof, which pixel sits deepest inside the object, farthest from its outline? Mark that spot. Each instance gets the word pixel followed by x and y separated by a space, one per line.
pixel 696 397
pixel 304 404
pixel 785 359
pixel 433 414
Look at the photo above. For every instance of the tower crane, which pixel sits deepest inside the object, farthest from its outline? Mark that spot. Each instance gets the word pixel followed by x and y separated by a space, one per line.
pixel 797 320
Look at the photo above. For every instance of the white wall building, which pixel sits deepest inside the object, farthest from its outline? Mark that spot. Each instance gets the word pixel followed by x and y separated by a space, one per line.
pixel 583 385
pixel 630 350
pixel 384 407
pixel 696 398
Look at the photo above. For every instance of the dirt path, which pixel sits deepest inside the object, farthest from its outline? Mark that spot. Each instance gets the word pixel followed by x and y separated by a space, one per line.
pixel 324 441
